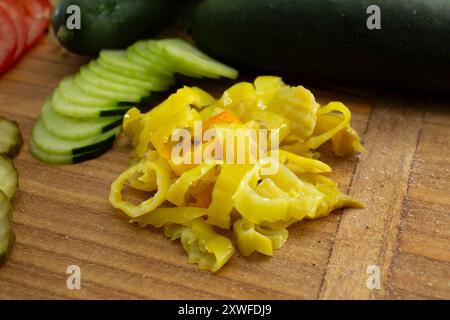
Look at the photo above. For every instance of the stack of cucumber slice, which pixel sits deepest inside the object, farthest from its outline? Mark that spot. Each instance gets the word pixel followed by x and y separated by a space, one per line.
pixel 10 143
pixel 83 117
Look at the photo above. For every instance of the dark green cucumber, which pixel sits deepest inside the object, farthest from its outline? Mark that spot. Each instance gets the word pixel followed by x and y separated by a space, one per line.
pixel 330 40
pixel 7 236
pixel 110 24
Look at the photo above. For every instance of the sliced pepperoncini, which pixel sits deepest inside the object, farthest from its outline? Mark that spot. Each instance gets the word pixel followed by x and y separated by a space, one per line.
pixel 204 246
pixel 228 177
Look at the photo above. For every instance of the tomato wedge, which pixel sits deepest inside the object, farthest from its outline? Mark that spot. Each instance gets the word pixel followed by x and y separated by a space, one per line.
pixel 8 39
pixel 37 19
pixel 17 14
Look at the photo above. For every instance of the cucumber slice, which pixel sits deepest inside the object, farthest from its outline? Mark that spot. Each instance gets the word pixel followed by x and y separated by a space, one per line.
pixel 8 177
pixel 75 129
pixel 72 93
pixel 153 84
pixel 87 75
pixel 57 159
pixel 182 54
pixel 116 61
pixel 69 109
pixel 158 54
pixel 153 49
pixel 139 54
pixel 54 145
pixel 91 89
pixel 10 138
pixel 7 236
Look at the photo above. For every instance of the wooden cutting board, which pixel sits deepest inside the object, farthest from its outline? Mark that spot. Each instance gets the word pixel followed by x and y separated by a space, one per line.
pixel 62 216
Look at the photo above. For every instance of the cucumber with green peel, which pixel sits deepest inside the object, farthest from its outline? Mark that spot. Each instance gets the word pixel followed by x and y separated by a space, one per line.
pixel 54 145
pixel 101 72
pixel 89 89
pixel 9 179
pixel 10 138
pixel 59 159
pixel 7 236
pixel 63 106
pixel 91 79
pixel 75 129
pixel 183 54
pixel 111 23
pixel 70 91
pixel 337 41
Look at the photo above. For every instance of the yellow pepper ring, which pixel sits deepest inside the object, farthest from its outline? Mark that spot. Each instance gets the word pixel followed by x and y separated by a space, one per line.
pixel 255 207
pixel 162 181
pixel 317 141
pixel 178 191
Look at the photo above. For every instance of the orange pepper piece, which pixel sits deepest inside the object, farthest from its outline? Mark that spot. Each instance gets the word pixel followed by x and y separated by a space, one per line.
pixel 223 117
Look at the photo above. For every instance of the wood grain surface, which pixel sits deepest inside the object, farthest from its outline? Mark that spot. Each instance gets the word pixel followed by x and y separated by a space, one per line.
pixel 62 216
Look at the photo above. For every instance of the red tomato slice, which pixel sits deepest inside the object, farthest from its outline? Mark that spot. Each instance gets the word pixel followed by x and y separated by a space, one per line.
pixel 17 15
pixel 36 28
pixel 37 19
pixel 38 9
pixel 7 41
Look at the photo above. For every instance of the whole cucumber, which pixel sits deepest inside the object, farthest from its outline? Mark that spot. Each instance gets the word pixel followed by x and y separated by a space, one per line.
pixel 108 24
pixel 331 40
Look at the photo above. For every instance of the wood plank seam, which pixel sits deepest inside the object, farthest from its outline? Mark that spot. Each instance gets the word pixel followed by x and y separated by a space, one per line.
pixel 382 185
pixel 330 251
pixel 403 213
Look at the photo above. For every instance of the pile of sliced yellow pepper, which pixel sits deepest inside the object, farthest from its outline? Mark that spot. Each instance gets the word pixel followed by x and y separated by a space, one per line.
pixel 194 201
